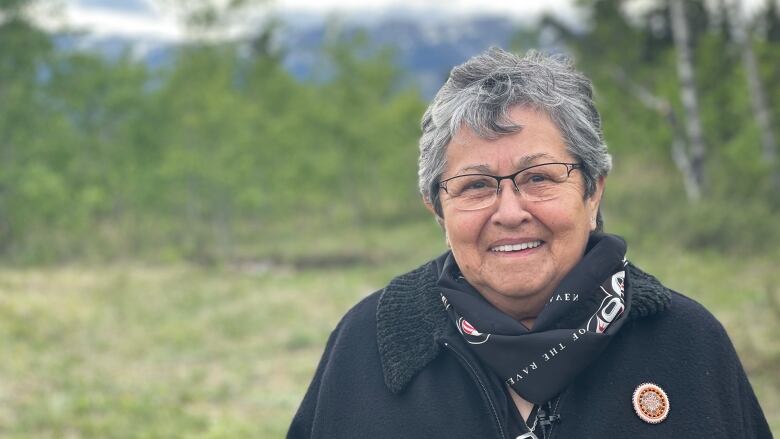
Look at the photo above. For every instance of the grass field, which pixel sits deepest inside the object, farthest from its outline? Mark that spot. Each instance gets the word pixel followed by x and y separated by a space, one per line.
pixel 178 350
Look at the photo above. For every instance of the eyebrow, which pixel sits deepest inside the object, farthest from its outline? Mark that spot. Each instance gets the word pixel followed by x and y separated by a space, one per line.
pixel 531 159
pixel 523 162
pixel 478 168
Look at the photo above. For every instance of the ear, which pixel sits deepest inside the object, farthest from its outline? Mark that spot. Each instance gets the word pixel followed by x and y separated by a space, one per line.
pixel 594 201
pixel 432 210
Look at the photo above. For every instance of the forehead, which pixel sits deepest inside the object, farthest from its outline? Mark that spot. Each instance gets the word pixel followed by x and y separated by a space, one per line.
pixel 539 140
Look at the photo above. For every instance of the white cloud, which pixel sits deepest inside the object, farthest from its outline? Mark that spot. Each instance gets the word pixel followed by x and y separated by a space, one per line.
pixel 163 25
pixel 102 21
pixel 514 8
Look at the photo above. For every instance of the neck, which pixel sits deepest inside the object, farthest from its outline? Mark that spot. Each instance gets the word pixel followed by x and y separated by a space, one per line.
pixel 523 309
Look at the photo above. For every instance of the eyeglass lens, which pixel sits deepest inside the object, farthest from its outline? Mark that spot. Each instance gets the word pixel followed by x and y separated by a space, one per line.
pixel 538 183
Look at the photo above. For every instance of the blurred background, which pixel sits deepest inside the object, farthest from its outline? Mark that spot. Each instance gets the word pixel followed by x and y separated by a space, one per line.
pixel 192 192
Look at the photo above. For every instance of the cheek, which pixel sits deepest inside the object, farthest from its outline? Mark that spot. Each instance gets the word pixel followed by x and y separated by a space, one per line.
pixel 567 219
pixel 463 231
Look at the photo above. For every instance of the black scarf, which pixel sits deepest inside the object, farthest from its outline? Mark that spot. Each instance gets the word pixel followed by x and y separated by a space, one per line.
pixel 573 328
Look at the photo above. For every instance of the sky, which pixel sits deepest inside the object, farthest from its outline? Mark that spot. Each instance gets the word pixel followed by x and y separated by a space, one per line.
pixel 147 18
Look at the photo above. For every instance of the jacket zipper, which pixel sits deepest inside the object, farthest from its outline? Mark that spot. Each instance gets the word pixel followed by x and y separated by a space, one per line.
pixel 482 385
pixel 556 410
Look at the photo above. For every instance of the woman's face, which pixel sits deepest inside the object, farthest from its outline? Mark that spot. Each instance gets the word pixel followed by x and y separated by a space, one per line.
pixel 518 282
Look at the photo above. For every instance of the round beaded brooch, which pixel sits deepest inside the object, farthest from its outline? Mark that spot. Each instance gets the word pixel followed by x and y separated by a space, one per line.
pixel 651 403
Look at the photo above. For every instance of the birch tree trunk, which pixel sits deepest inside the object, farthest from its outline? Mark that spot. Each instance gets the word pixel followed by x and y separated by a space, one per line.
pixel 761 111
pixel 690 162
pixel 665 109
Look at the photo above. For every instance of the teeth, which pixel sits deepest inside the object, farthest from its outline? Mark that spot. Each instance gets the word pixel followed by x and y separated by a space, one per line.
pixel 516 247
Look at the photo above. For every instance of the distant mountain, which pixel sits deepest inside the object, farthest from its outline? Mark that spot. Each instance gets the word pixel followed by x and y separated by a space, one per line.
pixel 125 6
pixel 154 52
pixel 426 47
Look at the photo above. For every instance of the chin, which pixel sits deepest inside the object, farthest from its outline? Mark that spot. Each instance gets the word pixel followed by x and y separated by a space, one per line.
pixel 511 289
pixel 521 282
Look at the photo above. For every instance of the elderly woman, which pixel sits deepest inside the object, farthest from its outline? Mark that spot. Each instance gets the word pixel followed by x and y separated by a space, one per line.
pixel 533 325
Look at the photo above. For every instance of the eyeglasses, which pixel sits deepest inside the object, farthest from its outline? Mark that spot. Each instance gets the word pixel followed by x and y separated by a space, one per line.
pixel 535 183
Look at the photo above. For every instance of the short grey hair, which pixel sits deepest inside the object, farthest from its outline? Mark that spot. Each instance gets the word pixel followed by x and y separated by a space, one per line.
pixel 480 93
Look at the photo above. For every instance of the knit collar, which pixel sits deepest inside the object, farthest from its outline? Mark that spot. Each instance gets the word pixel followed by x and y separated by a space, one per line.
pixel 411 319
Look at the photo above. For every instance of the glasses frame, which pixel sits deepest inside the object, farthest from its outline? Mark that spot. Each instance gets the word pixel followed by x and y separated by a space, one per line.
pixel 511 177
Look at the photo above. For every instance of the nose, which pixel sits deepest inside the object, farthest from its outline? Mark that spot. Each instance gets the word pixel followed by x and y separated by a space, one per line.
pixel 510 207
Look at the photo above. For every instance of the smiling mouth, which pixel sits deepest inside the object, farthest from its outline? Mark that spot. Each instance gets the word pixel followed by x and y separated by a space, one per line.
pixel 516 247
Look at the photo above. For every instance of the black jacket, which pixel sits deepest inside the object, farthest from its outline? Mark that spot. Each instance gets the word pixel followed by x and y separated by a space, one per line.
pixel 395 367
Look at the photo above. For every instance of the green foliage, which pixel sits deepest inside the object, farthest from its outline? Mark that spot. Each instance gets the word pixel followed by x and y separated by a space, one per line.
pixel 206 158
pixel 629 55
pixel 106 159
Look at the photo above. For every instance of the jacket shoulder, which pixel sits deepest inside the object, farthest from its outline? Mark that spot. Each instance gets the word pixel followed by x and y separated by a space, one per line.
pixel 397 297
pixel 337 383
pixel 693 314
pixel 667 310
pixel 362 315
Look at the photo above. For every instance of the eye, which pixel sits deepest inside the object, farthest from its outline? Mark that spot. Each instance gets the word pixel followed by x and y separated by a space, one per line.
pixel 476 184
pixel 471 185
pixel 549 173
pixel 538 178
pixel 534 178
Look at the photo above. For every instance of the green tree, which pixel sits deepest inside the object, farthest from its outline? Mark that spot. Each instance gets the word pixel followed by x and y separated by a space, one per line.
pixel 24 51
